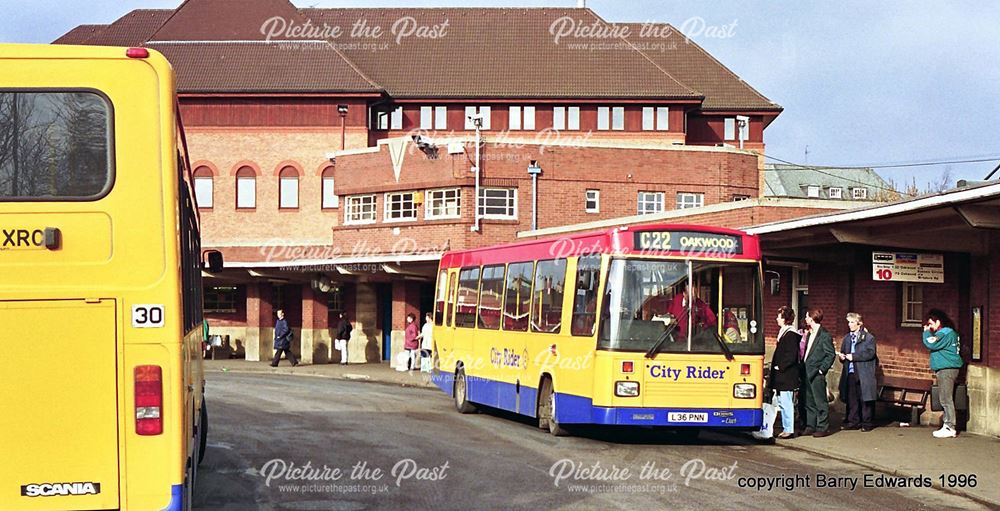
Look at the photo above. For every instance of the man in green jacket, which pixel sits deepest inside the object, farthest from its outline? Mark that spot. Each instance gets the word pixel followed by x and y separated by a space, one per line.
pixel 818 359
pixel 946 361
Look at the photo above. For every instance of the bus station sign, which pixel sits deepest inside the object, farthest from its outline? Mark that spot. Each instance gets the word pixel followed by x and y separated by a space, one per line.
pixel 908 267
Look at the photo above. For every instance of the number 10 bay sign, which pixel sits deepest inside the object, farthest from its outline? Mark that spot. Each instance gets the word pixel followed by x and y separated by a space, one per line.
pixel 908 267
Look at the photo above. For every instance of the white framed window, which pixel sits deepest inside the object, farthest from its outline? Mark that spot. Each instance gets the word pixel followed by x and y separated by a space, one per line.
pixel 859 193
pixel 912 313
pixel 330 199
pixel 360 209
pixel 400 207
pixel 521 118
pixel 729 128
pixel 443 204
pixel 603 118
pixel 474 110
pixel 650 202
pixel 592 203
pixel 655 118
pixel 246 188
pixel 500 203
pixel 739 196
pixel 288 188
pixel 612 118
pixel 203 191
pixel 389 120
pixel 687 200
pixel 566 118
pixel 836 192
pixel 433 117
pixel 812 191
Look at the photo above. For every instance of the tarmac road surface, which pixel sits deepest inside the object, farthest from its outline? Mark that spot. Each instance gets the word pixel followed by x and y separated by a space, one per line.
pixel 277 442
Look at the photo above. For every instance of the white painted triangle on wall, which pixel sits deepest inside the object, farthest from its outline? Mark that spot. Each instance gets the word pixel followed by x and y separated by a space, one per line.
pixel 397 149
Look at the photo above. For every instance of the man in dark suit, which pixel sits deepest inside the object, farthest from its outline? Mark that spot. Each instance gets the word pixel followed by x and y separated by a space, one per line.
pixel 819 359
pixel 283 341
pixel 858 384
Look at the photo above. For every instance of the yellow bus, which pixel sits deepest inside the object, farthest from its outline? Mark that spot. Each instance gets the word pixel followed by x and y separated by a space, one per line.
pixel 100 283
pixel 653 325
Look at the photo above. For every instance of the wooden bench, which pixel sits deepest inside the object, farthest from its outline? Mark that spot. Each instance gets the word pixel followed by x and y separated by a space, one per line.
pixel 910 392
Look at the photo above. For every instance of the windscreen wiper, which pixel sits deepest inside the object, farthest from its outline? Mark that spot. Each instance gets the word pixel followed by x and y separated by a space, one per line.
pixel 725 348
pixel 663 337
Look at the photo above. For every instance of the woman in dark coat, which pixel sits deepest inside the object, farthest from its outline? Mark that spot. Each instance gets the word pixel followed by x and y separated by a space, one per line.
pixel 784 377
pixel 858 381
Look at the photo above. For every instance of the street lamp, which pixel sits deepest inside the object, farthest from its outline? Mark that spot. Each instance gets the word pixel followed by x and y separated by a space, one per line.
pixel 477 120
pixel 534 171
pixel 342 110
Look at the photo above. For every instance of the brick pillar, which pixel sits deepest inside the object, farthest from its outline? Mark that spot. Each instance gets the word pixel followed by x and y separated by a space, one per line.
pixel 366 343
pixel 260 329
pixel 315 346
pixel 405 300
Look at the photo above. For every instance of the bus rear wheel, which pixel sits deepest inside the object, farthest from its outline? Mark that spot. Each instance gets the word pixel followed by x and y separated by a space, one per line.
pixel 462 403
pixel 547 410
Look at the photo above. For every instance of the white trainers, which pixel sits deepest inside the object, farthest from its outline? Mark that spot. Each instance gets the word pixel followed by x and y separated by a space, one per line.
pixel 944 432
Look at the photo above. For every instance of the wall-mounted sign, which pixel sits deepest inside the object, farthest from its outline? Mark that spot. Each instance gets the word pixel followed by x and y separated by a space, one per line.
pixel 908 267
pixel 977 333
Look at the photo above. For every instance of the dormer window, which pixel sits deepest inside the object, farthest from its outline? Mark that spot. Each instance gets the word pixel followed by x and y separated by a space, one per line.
pixel 836 192
pixel 812 191
pixel 859 193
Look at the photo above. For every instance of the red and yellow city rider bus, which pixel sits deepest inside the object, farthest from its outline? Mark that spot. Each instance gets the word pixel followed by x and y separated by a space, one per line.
pixel 652 325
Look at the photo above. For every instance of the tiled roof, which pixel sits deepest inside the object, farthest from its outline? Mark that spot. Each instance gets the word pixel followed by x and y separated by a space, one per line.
pixel 79 34
pixel 782 180
pixel 480 52
pixel 695 67
pixel 496 52
pixel 263 67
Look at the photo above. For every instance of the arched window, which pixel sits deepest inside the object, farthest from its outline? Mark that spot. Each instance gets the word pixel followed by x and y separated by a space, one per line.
pixel 330 199
pixel 246 188
pixel 203 187
pixel 288 188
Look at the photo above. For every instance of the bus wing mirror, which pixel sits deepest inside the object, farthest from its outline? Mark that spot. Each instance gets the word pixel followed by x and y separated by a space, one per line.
pixel 212 261
pixel 775 286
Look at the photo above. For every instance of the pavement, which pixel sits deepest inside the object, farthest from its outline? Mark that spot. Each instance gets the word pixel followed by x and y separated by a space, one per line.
pixel 889 448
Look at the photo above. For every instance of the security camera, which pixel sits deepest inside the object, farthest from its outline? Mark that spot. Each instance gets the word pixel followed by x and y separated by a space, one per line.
pixel 742 119
pixel 476 116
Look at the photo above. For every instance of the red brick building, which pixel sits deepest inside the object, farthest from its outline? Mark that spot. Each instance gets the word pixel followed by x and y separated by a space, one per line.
pixel 334 152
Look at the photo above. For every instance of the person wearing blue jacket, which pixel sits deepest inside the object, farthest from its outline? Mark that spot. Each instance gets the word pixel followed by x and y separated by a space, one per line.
pixel 942 340
pixel 283 341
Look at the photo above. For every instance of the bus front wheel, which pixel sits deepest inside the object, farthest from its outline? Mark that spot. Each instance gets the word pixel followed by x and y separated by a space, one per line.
pixel 547 410
pixel 462 403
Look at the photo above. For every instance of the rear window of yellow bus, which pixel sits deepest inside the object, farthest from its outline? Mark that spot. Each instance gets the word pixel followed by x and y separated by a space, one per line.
pixel 55 145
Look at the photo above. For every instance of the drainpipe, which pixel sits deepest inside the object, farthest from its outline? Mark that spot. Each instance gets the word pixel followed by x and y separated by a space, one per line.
pixel 478 121
pixel 534 171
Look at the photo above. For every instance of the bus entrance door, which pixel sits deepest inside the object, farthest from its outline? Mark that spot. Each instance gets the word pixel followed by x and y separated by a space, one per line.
pixel 59 403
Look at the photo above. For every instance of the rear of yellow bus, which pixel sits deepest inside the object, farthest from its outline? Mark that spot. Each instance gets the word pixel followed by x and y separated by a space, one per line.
pixel 100 394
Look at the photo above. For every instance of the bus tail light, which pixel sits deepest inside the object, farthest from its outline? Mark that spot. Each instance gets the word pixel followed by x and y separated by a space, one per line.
pixel 627 388
pixel 137 53
pixel 744 391
pixel 627 366
pixel 148 400
pixel 744 369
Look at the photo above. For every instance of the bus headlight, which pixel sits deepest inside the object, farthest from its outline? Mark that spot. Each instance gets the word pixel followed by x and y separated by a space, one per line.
pixel 626 388
pixel 744 391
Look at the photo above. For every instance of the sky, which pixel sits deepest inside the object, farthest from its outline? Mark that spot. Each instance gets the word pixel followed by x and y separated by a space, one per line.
pixel 861 83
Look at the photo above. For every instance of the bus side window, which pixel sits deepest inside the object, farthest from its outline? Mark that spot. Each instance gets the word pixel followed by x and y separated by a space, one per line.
pixel 468 297
pixel 490 297
pixel 547 292
pixel 588 272
pixel 517 300
pixel 451 298
pixel 442 292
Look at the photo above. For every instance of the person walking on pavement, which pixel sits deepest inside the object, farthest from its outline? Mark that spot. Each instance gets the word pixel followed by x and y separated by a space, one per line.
pixel 784 377
pixel 283 341
pixel 410 343
pixel 943 342
pixel 819 357
pixel 858 383
pixel 426 339
pixel 343 337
